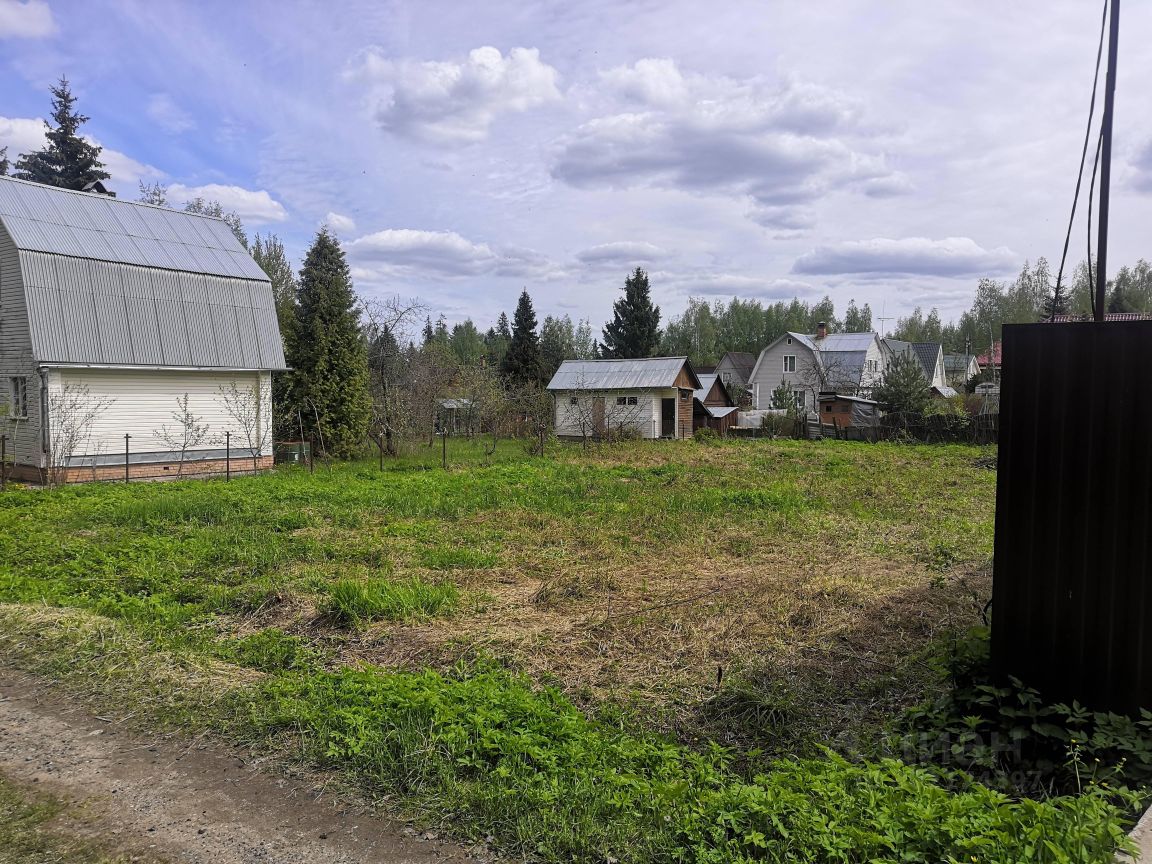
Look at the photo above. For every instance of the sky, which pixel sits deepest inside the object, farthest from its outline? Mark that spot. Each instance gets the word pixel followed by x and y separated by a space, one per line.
pixel 889 152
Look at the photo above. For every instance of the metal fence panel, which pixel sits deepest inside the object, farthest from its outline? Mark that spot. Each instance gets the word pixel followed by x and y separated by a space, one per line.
pixel 1072 609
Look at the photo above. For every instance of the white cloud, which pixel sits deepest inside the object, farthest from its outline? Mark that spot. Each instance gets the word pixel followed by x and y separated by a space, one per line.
pixel 453 103
pixel 444 254
pixel 168 115
pixel 251 205
pixel 911 256
pixel 779 143
pixel 21 135
pixel 737 285
pixel 31 19
pixel 621 252
pixel 340 222
pixel 1142 163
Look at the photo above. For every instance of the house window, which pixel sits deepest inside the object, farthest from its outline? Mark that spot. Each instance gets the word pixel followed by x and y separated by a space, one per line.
pixel 685 395
pixel 789 362
pixel 625 400
pixel 798 395
pixel 19 387
pixel 573 400
pixel 828 408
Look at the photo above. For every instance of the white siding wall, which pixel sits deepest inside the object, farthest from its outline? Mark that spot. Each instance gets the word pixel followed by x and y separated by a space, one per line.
pixel 875 365
pixel 644 415
pixel 769 372
pixel 24 446
pixel 144 400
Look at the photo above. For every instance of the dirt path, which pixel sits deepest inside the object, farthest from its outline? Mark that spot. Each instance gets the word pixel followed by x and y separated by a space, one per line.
pixel 184 801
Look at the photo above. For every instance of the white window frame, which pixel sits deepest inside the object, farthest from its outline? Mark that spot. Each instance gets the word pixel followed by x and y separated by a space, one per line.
pixel 626 400
pixel 18 389
pixel 799 396
pixel 789 367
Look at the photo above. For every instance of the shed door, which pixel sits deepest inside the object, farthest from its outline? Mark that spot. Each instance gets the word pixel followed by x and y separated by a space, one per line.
pixel 668 418
pixel 598 415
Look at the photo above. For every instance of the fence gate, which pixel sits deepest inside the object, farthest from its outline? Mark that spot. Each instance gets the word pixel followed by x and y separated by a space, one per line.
pixel 1072 604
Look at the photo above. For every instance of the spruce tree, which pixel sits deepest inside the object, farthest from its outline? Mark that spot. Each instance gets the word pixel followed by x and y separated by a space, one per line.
pixel 5 164
pixel 903 387
pixel 327 353
pixel 522 361
pixel 68 160
pixel 634 330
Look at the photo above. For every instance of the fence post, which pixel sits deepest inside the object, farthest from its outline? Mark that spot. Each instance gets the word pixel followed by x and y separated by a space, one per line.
pixel 311 454
pixel 444 447
pixel 227 455
pixel 127 453
pixel 3 462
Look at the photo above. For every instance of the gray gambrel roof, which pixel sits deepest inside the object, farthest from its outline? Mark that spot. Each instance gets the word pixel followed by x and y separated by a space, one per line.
pixel 111 282
pixel 643 374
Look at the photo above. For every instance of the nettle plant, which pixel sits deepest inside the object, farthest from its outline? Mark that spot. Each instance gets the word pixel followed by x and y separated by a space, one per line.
pixel 1009 738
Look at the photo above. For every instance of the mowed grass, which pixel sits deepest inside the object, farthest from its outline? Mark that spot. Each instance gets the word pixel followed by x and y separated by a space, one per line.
pixel 628 654
pixel 702 582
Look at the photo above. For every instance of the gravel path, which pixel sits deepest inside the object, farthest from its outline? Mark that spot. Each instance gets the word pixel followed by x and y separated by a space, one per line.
pixel 182 800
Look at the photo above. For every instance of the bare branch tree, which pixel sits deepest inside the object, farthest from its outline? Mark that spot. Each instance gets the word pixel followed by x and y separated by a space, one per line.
pixel 72 411
pixel 245 407
pixel 189 432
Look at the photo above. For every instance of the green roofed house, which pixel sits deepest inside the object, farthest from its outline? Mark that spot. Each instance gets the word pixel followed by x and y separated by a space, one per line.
pixel 112 312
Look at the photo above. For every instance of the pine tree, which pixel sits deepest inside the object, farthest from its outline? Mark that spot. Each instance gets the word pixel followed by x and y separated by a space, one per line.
pixel 68 160
pixel 4 163
pixel 634 330
pixel 427 334
pixel 903 387
pixel 522 362
pixel 496 342
pixel 327 355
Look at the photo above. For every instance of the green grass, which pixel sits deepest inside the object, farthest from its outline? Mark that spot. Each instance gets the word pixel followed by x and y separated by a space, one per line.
pixel 358 603
pixel 769 595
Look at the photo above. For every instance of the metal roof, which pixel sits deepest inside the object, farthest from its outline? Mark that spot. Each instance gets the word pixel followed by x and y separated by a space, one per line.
pixel 844 341
pixel 741 361
pixel 115 282
pixel 706 382
pixel 639 374
pixel 958 362
pixel 720 411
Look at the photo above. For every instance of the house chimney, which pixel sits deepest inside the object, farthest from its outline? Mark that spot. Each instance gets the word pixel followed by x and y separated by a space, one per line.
pixel 821 330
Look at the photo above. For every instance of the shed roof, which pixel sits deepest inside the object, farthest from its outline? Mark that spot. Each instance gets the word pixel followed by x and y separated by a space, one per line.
pixel 116 282
pixel 741 362
pixel 639 374
pixel 845 341
pixel 958 362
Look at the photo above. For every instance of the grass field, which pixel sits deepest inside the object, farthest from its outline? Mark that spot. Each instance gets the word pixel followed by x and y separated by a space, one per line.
pixel 769 597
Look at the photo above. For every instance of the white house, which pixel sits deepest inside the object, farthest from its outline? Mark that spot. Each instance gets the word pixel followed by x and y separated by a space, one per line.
pixel 112 311
pixel 650 397
pixel 851 363
pixel 930 357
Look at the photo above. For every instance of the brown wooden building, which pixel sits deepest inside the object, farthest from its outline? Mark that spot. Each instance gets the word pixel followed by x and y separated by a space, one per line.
pixel 713 407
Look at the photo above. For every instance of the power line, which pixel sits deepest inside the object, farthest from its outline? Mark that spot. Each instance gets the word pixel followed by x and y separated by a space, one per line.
pixel 1083 157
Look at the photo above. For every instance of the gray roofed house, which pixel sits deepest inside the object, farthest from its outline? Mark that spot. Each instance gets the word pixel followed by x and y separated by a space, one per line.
pixel 652 397
pixel 959 369
pixel 134 306
pixel 929 355
pixel 809 365
pixel 735 367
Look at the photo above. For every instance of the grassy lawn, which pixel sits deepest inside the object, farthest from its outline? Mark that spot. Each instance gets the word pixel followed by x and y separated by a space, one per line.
pixel 693 612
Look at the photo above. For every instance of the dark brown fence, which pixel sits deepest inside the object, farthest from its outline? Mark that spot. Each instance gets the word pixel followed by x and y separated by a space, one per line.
pixel 1072 610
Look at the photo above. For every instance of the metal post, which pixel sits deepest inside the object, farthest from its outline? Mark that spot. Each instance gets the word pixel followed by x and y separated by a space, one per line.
pixel 1106 159
pixel 227 455
pixel 127 453
pixel 3 462
pixel 311 454
pixel 444 448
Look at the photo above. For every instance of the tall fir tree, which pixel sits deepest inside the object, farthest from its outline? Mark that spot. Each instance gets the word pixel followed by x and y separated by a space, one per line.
pixel 522 361
pixel 496 342
pixel 327 354
pixel 68 160
pixel 634 330
pixel 5 164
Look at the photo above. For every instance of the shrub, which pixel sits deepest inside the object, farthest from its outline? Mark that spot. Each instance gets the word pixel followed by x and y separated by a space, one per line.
pixel 1012 740
pixel 705 436
pixel 357 602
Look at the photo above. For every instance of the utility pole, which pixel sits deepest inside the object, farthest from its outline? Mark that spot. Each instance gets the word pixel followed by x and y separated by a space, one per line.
pixel 883 321
pixel 1106 158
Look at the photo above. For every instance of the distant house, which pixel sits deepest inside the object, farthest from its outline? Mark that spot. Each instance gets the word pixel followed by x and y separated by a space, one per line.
pixel 114 310
pixel 930 358
pixel 650 397
pixel 991 359
pixel 735 368
pixel 713 407
pixel 806 366
pixel 959 369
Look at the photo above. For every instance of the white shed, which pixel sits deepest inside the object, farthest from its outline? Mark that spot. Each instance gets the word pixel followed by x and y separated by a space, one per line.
pixel 111 312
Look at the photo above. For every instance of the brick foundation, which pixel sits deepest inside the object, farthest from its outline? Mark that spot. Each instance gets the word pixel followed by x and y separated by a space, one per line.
pixel 142 470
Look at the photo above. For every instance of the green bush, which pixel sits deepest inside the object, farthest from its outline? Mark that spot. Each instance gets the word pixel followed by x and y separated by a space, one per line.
pixel 357 602
pixel 705 436
pixel 1014 741
pixel 526 766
